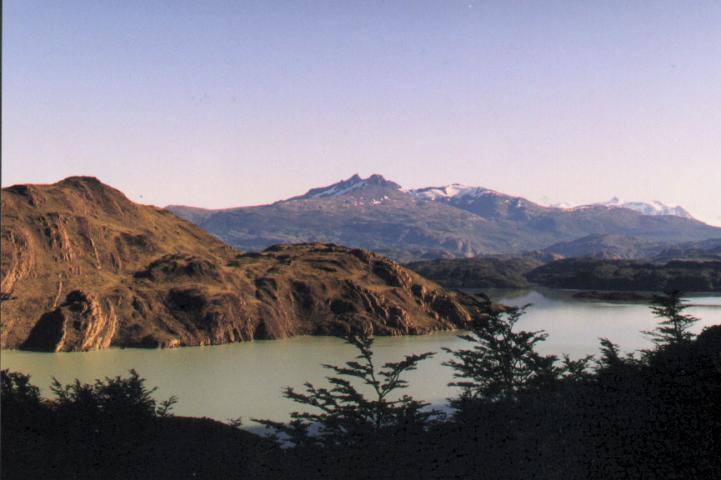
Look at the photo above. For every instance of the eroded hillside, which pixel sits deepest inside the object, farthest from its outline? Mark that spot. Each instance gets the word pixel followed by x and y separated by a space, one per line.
pixel 84 268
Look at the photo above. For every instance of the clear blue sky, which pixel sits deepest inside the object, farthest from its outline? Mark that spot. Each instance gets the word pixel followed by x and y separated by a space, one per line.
pixel 231 103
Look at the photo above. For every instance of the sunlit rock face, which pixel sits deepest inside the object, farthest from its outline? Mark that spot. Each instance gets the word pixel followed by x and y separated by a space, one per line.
pixel 85 268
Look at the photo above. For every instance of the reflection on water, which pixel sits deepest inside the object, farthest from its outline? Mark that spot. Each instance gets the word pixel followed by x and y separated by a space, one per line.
pixel 246 379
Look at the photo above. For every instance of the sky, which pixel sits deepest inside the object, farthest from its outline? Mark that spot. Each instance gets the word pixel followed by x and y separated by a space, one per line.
pixel 229 103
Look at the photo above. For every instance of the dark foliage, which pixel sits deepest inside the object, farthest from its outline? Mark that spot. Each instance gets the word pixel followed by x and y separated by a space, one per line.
pixel 344 416
pixel 503 363
pixel 674 327
pixel 656 416
pixel 519 415
pixel 524 415
pixel 114 429
pixel 123 399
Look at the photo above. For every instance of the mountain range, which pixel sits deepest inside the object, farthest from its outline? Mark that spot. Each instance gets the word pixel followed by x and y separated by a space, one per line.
pixel 439 222
pixel 647 208
pixel 84 268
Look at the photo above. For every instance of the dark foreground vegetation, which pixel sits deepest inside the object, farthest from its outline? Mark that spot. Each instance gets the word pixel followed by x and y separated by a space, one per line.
pixel 115 429
pixel 519 415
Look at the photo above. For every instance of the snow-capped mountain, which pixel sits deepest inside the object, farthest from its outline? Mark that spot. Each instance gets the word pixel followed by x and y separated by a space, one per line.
pixel 456 190
pixel 652 208
pixel 482 201
pixel 442 221
pixel 345 187
pixel 563 205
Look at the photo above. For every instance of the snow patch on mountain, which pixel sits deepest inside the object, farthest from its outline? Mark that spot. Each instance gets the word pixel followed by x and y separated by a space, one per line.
pixel 462 195
pixel 649 208
pixel 335 190
pixel 346 186
pixel 453 191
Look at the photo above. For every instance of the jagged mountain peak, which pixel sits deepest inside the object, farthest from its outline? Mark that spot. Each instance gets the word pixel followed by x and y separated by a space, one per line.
pixel 348 185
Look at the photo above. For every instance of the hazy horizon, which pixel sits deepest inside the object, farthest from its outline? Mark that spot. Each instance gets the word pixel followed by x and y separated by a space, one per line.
pixel 222 104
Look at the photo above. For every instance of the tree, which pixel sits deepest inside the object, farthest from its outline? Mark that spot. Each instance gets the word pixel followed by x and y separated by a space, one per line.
pixel 17 389
pixel 344 415
pixel 18 397
pixel 674 328
pixel 502 362
pixel 114 398
pixel 610 354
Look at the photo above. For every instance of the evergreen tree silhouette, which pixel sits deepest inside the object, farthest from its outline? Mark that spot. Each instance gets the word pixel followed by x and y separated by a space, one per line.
pixel 344 414
pixel 674 328
pixel 503 361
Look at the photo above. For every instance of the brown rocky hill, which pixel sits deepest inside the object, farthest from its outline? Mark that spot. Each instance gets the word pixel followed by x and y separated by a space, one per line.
pixel 84 268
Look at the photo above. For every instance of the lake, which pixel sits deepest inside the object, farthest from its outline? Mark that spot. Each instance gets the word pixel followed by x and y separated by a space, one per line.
pixel 245 379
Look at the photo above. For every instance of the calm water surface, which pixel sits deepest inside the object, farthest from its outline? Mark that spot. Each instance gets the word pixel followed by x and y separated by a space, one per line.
pixel 246 379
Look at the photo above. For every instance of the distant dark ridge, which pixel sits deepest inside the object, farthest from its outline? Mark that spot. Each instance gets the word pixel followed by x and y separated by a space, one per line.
pixel 592 274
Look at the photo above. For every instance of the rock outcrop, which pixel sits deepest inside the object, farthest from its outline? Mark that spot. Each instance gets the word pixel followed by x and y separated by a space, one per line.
pixel 85 268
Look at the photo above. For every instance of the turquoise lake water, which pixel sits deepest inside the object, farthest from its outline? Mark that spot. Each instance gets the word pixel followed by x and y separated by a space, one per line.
pixel 245 379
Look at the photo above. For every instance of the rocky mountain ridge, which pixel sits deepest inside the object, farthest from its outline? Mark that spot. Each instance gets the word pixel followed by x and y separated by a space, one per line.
pixel 85 268
pixel 433 222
